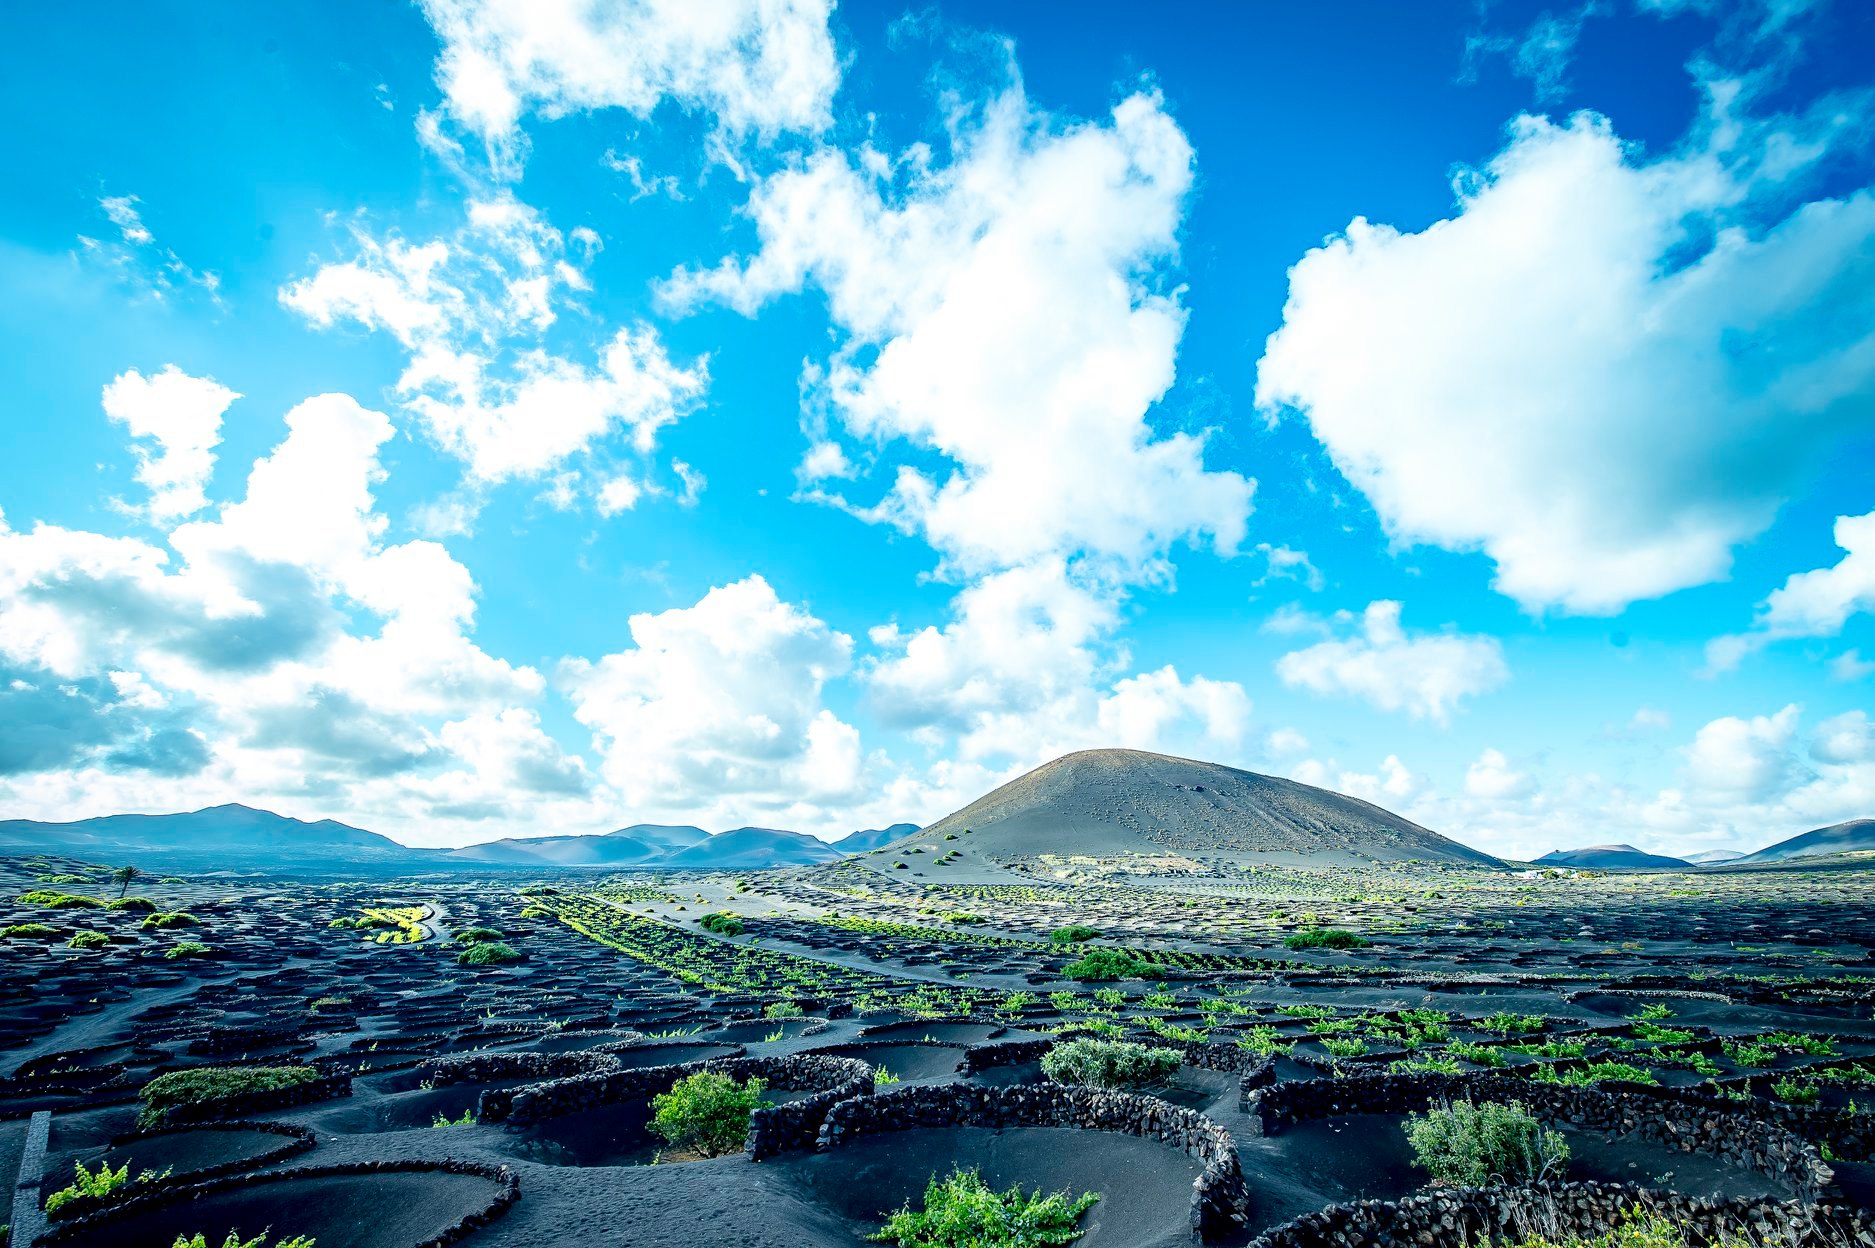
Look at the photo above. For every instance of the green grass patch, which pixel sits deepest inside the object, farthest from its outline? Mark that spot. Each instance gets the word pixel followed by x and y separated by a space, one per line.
pixel 962 1211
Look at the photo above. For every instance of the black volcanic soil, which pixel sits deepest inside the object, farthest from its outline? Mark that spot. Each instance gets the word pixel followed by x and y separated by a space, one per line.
pixel 1765 977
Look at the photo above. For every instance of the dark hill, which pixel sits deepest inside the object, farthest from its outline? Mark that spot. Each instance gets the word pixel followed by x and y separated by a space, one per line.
pixel 230 836
pixel 1109 803
pixel 745 849
pixel 1855 836
pixel 636 846
pixel 1612 858
pixel 873 838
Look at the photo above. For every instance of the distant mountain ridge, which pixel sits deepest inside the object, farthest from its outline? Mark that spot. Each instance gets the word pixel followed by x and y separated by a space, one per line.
pixel 237 837
pixel 1612 857
pixel 232 833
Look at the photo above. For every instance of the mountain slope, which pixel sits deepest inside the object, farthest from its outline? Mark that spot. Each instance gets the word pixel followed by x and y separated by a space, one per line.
pixel 230 836
pixel 873 838
pixel 1857 835
pixel 1612 858
pixel 746 849
pixel 1712 857
pixel 1107 803
pixel 635 846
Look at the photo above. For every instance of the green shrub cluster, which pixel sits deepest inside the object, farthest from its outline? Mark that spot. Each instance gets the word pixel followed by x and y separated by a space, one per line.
pixel 206 1084
pixel 234 1240
pixel 1108 1063
pixel 101 1182
pixel 722 923
pixel 188 949
pixel 142 905
pixel 782 1009
pixel 962 1211
pixel 1073 934
pixel 30 931
pixel 488 953
pixel 89 940
pixel 51 899
pixel 1325 938
pixel 163 921
pixel 478 935
pixel 1105 964
pixel 1465 1144
pixel 707 1112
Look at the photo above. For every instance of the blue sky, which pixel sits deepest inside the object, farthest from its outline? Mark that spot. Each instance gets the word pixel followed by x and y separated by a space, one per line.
pixel 472 419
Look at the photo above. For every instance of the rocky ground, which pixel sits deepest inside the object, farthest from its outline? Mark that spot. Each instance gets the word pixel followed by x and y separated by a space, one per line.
pixel 1706 1034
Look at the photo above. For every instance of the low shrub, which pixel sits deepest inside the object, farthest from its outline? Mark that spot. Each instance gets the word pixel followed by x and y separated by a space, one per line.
pixel 782 1009
pixel 206 1084
pixel 722 923
pixel 963 917
pixel 1465 1144
pixel 1325 938
pixel 54 900
pixel 707 1112
pixel 64 879
pixel 101 1182
pixel 234 1240
pixel 962 1211
pixel 188 949
pixel 140 904
pixel 30 931
pixel 1073 934
pixel 1105 964
pixel 1594 1073
pixel 488 953
pixel 163 921
pixel 1108 1063
pixel 89 940
pixel 478 935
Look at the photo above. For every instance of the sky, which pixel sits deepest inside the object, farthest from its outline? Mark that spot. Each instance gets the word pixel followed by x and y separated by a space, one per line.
pixel 480 418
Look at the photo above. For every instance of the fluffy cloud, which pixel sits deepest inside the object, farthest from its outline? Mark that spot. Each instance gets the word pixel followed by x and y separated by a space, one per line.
pixel 1008 310
pixel 1425 674
pixel 715 711
pixel 1026 670
pixel 758 67
pixel 1392 786
pixel 1516 379
pixel 1492 776
pixel 1812 604
pixel 182 416
pixel 279 649
pixel 1742 782
pixel 473 312
pixel 1748 759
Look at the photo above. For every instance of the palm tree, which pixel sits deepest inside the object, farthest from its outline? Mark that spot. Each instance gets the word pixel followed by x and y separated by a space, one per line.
pixel 124 876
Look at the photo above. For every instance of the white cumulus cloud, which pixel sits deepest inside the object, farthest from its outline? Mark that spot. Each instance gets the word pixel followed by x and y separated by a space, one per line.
pixel 181 415
pixel 1522 378
pixel 758 67
pixel 1009 309
pixel 1427 675
pixel 716 710
pixel 472 312
pixel 1813 604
